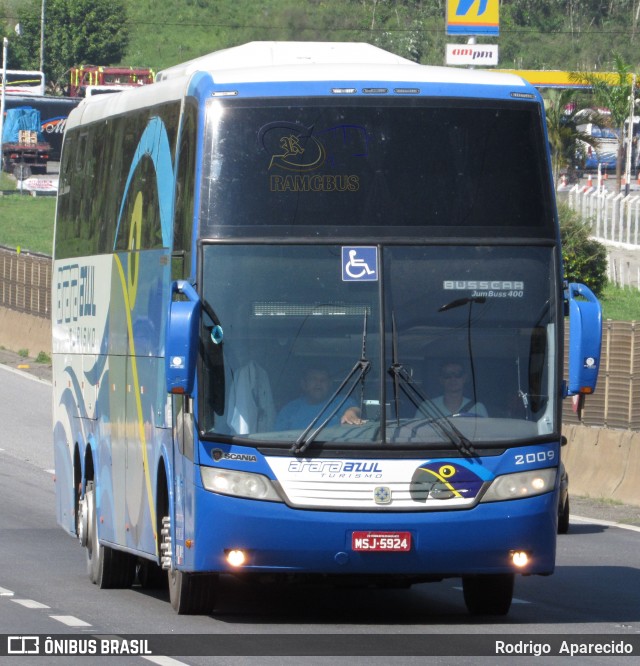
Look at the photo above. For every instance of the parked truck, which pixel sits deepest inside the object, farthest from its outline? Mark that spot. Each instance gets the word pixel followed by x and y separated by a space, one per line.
pixel 93 79
pixel 53 118
pixel 24 150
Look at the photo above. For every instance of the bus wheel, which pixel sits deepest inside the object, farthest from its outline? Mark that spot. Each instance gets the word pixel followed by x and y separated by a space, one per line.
pixel 489 594
pixel 192 594
pixel 151 576
pixel 107 568
pixel 563 518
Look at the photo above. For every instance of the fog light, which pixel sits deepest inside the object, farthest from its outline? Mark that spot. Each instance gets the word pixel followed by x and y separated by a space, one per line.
pixel 520 558
pixel 236 558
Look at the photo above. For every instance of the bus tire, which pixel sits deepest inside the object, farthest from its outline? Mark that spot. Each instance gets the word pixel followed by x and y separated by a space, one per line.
pixel 489 594
pixel 563 518
pixel 151 576
pixel 107 568
pixel 192 594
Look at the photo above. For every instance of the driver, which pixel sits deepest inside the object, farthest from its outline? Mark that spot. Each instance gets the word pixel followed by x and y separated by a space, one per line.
pixel 316 386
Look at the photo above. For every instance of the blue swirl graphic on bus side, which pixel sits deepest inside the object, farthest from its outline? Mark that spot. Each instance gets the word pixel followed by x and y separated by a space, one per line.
pixel 154 143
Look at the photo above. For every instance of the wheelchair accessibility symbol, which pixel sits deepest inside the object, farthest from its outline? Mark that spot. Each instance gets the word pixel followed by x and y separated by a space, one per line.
pixel 359 264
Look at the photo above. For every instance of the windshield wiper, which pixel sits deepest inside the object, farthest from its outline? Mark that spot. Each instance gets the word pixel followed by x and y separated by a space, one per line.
pixel 358 371
pixel 402 380
pixel 461 301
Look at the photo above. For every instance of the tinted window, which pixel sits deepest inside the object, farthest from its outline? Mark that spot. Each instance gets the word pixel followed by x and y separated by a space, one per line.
pixel 447 168
pixel 110 179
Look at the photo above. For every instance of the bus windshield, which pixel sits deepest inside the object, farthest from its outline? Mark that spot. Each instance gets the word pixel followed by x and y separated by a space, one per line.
pixel 390 331
pixel 338 169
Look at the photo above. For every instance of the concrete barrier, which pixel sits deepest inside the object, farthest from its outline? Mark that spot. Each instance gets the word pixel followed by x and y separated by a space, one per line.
pixel 19 330
pixel 603 463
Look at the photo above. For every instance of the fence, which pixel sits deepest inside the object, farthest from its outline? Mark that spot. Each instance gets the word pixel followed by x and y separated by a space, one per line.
pixel 616 402
pixel 615 221
pixel 25 282
pixel 615 217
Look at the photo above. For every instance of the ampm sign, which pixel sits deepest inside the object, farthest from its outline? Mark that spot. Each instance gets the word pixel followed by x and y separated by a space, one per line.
pixel 480 55
pixel 473 17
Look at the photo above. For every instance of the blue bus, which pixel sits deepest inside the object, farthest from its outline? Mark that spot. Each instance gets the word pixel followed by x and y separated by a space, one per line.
pixel 309 321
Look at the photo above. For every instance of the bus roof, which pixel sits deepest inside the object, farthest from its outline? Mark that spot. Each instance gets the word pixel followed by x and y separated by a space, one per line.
pixel 272 54
pixel 281 62
pixel 321 61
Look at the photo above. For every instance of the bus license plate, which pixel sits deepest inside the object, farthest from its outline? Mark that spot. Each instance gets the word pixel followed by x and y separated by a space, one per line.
pixel 389 542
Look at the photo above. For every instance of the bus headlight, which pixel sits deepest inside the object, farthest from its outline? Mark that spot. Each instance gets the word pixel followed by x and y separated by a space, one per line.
pixel 238 484
pixel 521 484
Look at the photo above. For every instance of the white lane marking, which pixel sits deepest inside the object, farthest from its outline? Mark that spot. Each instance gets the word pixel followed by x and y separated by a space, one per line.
pixel 26 375
pixel 70 621
pixel 5 593
pixel 50 471
pixel 30 603
pixel 164 661
pixel 605 523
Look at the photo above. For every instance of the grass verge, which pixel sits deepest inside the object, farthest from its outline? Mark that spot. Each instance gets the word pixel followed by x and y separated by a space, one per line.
pixel 27 222
pixel 620 304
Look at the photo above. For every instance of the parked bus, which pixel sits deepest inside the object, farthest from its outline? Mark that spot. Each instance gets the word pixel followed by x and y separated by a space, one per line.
pixel 23 82
pixel 277 210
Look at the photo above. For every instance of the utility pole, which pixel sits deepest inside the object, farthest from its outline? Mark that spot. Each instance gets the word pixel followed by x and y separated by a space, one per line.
pixel 42 36
pixel 5 45
pixel 632 103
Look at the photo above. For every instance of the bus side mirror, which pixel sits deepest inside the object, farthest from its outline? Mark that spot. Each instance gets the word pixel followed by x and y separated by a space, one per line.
pixel 585 339
pixel 181 344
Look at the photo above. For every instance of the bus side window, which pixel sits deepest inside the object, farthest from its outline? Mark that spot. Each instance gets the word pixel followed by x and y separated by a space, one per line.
pixel 85 164
pixel 185 187
pixel 67 166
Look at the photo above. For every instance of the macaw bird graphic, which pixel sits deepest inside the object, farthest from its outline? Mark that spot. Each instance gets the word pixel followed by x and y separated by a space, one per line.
pixel 443 480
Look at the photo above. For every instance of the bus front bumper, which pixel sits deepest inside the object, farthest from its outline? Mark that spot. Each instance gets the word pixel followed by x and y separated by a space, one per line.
pixel 273 537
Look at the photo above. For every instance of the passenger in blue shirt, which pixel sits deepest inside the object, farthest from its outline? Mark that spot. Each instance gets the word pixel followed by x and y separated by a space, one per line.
pixel 316 388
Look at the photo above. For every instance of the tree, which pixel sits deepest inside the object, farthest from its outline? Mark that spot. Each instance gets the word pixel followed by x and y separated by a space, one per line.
pixel 613 94
pixel 585 259
pixel 565 139
pixel 75 32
